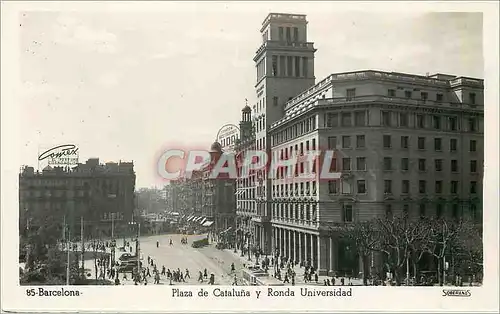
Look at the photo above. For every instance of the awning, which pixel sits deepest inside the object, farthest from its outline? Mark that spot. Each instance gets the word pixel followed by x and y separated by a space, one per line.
pixel 189 218
pixel 239 192
pixel 207 223
pixel 228 229
pixel 203 221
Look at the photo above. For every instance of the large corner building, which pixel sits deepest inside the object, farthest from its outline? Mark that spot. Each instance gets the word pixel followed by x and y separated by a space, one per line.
pixel 403 143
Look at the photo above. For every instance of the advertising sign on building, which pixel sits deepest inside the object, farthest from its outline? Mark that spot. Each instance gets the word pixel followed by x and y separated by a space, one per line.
pixel 227 137
pixel 60 155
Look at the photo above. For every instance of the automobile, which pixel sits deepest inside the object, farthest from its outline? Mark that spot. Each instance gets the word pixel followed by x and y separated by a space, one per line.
pixel 127 256
pixel 128 267
pixel 129 262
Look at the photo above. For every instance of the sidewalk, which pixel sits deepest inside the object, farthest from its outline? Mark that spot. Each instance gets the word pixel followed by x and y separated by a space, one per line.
pixel 299 277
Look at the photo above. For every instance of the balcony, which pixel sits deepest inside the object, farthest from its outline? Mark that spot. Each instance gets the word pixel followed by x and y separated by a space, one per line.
pixel 283 45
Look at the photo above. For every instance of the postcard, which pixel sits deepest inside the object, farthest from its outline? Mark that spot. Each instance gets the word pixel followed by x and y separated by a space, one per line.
pixel 249 156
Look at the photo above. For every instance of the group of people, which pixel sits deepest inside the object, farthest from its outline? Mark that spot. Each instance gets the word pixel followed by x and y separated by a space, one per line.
pixel 204 275
pixel 184 240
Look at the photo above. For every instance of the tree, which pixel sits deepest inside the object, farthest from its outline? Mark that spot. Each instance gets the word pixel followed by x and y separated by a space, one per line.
pixel 392 242
pixel 362 234
pixel 468 249
pixel 418 247
pixel 399 238
pixel 442 235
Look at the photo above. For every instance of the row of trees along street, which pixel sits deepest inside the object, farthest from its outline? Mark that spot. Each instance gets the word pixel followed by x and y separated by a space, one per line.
pixel 41 245
pixel 403 244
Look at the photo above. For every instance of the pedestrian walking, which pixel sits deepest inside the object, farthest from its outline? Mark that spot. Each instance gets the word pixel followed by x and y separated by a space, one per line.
pixel 200 277
pixel 187 274
pixel 163 271
pixel 157 244
pixel 316 277
pixel 235 281
pixel 232 268
pixel 212 279
pixel 205 274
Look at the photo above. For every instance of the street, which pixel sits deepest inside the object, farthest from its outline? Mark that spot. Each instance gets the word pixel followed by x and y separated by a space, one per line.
pixel 183 256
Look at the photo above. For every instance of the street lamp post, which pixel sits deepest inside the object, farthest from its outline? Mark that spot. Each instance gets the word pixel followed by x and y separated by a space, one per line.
pixel 138 250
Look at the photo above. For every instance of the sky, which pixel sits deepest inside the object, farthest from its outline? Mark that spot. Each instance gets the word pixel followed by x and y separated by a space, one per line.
pixel 125 85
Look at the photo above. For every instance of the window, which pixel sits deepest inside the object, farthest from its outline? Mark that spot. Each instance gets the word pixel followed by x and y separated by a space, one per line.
pixel 472 124
pixel 473 166
pixel 473 211
pixel 405 186
pixel 422 186
pixel 438 165
pixel 360 141
pixel 407 93
pixel 453 123
pixel 472 145
pixel 424 95
pixel 439 210
pixel 295 34
pixel 346 141
pixel 472 98
pixel 421 164
pixel 405 164
pixel 275 65
pixel 437 144
pixel 304 66
pixel 422 210
pixel 391 92
pixel 333 187
pixel 436 122
pixel 346 119
pixel 403 119
pixel 332 120
pixel 439 97
pixel 332 142
pixel 421 143
pixel 388 211
pixel 473 187
pixel 386 118
pixel 360 118
pixel 280 32
pixel 347 211
pixel 453 145
pixel 288 35
pixel 346 164
pixel 454 187
pixel 439 187
pixel 387 141
pixel 420 121
pixel 361 186
pixel 275 101
pixel 454 165
pixel 387 163
pixel 350 94
pixel 361 163
pixel 406 210
pixel 297 66
pixel 387 186
pixel 289 66
pixel 454 211
pixel 405 141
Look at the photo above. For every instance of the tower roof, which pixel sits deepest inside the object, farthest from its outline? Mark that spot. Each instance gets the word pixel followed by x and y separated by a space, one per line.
pixel 246 109
pixel 216 147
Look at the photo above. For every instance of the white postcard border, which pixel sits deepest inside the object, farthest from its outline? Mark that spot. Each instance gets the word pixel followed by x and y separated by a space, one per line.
pixel 158 298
